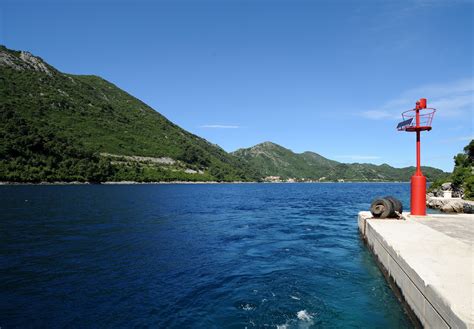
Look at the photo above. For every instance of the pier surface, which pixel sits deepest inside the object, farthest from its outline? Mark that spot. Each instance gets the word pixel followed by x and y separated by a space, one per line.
pixel 431 259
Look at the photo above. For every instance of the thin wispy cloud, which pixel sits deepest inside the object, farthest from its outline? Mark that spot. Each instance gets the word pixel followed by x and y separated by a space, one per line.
pixel 451 99
pixel 357 157
pixel 458 139
pixel 220 126
pixel 379 114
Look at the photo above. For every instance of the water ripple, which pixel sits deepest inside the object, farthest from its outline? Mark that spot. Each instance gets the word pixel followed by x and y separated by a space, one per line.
pixel 192 256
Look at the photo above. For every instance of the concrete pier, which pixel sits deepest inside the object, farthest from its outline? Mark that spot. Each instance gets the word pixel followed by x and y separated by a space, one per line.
pixel 431 260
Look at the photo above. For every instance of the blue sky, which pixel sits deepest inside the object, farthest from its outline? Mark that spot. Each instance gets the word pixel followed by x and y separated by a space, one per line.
pixel 326 76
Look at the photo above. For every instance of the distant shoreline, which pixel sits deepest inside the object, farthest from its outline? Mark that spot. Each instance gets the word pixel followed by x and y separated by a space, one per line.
pixel 187 183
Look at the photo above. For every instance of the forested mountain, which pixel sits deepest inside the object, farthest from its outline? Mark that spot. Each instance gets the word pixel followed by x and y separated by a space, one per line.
pixel 62 127
pixel 274 160
pixel 56 126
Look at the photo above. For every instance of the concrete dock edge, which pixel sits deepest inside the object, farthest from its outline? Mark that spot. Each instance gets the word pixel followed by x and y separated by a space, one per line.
pixel 432 270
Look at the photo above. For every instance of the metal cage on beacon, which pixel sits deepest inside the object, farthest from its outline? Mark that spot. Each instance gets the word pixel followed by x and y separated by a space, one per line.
pixel 409 123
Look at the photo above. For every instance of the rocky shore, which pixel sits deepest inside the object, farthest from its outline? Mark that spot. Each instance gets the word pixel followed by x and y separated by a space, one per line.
pixel 447 190
pixel 453 205
pixel 449 198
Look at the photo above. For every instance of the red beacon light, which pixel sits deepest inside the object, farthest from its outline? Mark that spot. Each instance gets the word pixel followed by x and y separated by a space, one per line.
pixel 417 120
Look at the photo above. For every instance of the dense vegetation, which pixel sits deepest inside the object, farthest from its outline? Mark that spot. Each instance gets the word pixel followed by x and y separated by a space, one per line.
pixel 32 154
pixel 63 127
pixel 274 160
pixel 55 126
pixel 462 176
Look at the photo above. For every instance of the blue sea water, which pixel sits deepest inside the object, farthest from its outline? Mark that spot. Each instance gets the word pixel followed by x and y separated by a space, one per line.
pixel 192 256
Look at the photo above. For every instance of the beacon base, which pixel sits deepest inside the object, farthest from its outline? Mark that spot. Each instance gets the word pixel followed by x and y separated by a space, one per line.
pixel 418 195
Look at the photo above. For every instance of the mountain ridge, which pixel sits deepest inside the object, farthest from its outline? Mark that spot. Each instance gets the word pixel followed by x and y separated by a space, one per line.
pixel 274 160
pixel 57 126
pixel 56 110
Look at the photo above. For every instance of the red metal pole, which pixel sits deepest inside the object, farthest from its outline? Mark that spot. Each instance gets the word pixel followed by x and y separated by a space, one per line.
pixel 418 181
pixel 418 154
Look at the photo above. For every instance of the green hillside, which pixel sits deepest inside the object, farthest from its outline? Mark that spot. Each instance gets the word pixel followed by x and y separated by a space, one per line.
pixel 462 177
pixel 63 127
pixel 274 160
pixel 57 126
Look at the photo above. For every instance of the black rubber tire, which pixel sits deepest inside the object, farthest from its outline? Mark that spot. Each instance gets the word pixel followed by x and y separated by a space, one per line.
pixel 376 208
pixel 382 208
pixel 397 205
